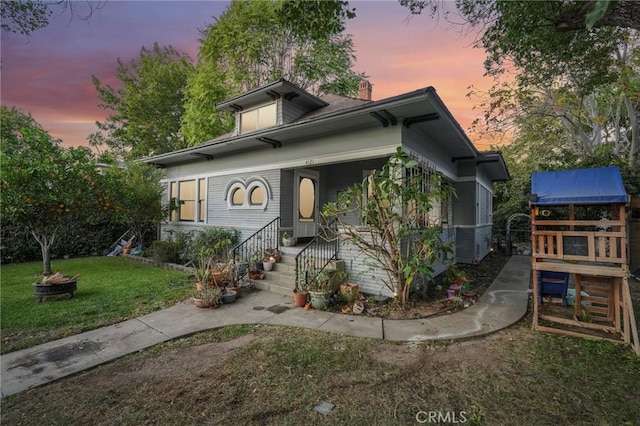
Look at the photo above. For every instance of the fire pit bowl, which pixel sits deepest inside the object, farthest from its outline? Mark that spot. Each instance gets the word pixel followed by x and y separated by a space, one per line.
pixel 45 289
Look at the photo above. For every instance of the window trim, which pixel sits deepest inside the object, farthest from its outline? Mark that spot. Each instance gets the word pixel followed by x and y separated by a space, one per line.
pixel 248 186
pixel 198 202
pixel 257 110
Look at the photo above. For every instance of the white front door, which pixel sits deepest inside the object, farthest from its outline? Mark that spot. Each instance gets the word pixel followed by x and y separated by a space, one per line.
pixel 305 203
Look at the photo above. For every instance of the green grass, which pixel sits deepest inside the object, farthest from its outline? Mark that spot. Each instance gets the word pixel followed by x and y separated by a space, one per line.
pixel 110 290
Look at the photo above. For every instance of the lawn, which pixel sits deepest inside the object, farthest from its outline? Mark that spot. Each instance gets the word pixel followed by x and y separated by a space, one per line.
pixel 110 290
pixel 274 375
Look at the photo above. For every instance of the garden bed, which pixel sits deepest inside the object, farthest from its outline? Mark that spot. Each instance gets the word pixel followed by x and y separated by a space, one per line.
pixel 435 301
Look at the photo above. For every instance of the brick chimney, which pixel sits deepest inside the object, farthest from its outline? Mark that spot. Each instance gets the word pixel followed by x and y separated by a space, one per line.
pixel 365 90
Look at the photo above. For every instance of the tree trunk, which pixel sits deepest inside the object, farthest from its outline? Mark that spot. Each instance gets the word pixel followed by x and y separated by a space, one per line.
pixel 635 138
pixel 45 242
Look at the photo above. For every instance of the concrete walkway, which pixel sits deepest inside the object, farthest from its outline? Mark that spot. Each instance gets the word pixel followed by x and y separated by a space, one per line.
pixel 503 304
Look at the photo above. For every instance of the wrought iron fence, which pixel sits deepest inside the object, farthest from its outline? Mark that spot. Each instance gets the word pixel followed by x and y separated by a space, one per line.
pixel 316 255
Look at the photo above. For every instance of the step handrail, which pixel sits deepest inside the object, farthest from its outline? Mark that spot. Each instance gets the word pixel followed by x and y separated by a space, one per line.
pixel 255 245
pixel 316 256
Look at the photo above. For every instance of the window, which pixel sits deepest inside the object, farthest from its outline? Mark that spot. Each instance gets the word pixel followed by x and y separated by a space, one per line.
pixel 258 118
pixel 189 198
pixel 238 197
pixel 202 205
pixel 424 175
pixel 257 196
pixel 173 196
pixel 254 193
pixel 484 205
pixel 307 201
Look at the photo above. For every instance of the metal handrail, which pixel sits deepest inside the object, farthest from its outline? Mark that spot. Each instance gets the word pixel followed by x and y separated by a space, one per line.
pixel 253 248
pixel 316 255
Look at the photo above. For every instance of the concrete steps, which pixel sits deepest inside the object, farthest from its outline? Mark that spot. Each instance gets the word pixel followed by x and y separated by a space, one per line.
pixel 281 279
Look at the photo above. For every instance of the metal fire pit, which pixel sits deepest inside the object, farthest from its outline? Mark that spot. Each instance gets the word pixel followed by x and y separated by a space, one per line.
pixel 42 290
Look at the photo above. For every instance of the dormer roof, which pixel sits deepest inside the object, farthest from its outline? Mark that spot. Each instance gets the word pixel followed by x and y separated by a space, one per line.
pixel 270 92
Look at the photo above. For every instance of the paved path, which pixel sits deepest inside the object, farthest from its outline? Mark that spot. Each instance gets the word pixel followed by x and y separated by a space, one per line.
pixel 503 304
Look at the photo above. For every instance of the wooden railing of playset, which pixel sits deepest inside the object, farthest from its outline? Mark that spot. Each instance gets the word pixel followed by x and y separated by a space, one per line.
pixel 606 247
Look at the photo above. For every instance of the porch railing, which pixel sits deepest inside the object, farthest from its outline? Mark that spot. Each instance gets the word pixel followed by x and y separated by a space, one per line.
pixel 253 248
pixel 316 255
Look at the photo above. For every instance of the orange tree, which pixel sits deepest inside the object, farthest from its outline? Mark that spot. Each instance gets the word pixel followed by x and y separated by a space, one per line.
pixel 44 186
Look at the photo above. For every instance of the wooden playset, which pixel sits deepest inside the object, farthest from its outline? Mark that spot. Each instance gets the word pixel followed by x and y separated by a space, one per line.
pixel 579 231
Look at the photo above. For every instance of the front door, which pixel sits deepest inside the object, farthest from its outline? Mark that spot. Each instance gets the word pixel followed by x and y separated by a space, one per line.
pixel 305 203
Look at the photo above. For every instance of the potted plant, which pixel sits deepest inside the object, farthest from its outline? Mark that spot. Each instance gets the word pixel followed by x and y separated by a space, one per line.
pixel 347 289
pixel 202 268
pixel 229 296
pixel 268 262
pixel 208 297
pixel 273 253
pixel 288 241
pixel 300 296
pixel 321 290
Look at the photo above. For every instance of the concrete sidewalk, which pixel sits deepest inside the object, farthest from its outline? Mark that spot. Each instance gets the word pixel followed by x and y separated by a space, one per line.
pixel 504 303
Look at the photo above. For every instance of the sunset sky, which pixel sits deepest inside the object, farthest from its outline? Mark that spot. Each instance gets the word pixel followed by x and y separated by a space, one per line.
pixel 49 74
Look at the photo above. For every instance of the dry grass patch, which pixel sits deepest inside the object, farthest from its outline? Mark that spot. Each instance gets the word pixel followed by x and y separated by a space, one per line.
pixel 276 375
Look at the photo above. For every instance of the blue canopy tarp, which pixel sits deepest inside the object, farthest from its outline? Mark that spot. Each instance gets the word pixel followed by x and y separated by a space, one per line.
pixel 602 185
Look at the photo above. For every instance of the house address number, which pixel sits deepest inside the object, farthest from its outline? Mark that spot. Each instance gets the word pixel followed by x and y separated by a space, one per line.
pixel 310 162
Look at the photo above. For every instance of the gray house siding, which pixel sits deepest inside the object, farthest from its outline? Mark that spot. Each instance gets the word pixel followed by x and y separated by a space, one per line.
pixel 291 111
pixel 464 205
pixel 219 214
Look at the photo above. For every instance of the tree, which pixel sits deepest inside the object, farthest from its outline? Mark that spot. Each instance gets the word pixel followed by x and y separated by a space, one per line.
pixel 149 107
pixel 396 212
pixel 26 16
pixel 533 50
pixel 44 186
pixel 568 15
pixel 257 42
pixel 139 192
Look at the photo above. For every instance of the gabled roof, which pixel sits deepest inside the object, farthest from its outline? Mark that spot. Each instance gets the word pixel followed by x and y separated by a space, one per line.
pixel 602 185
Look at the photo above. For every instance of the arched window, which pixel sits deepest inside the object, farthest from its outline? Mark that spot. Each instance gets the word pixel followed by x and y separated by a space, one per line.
pixel 238 197
pixel 254 193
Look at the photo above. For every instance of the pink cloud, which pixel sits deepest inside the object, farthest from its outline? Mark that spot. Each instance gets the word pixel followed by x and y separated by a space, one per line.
pixel 50 75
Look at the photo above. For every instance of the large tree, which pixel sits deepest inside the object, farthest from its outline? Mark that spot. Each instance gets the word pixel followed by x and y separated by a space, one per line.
pixel 26 16
pixel 148 107
pixel 44 186
pixel 257 42
pixel 581 53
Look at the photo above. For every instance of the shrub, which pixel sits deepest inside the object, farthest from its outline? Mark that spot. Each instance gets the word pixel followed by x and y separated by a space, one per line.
pixel 166 251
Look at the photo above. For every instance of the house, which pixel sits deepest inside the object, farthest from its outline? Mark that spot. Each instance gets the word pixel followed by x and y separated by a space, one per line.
pixel 291 152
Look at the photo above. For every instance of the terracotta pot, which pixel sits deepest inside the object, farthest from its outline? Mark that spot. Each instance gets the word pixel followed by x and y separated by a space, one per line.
pixel 200 303
pixel 237 289
pixel 199 286
pixel 299 299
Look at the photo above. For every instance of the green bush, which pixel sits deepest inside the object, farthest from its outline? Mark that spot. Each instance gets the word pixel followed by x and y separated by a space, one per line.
pixel 217 238
pixel 77 240
pixel 166 251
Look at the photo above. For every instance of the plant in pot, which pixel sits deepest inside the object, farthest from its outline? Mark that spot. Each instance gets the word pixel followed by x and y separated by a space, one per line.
pixel 320 290
pixel 208 297
pixel 268 262
pixel 287 240
pixel 347 289
pixel 202 269
pixel 273 253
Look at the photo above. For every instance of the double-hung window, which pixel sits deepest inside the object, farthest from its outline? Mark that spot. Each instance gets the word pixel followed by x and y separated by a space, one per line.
pixel 189 199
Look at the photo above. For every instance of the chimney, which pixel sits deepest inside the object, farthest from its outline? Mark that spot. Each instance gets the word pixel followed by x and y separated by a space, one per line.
pixel 365 90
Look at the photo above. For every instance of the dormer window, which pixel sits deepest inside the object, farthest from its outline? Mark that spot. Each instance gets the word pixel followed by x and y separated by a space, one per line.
pixel 258 118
